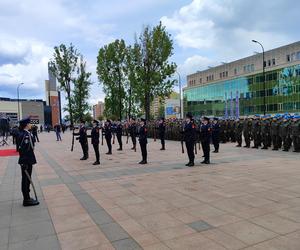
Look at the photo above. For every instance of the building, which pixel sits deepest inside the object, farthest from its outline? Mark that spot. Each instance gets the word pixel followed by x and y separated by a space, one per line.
pixel 237 88
pixel 53 99
pixel 158 106
pixel 98 110
pixel 28 108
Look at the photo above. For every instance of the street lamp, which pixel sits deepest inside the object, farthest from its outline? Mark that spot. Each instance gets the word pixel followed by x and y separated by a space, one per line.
pixel 263 73
pixel 19 85
pixel 179 82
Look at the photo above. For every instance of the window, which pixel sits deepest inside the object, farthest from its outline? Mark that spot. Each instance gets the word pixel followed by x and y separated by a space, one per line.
pixel 245 69
pixel 288 58
pixel 269 63
pixel 226 73
pixel 207 78
pixel 298 55
pixel 221 75
pixel 235 71
pixel 273 61
pixel 200 80
pixel 293 56
pixel 252 67
pixel 265 63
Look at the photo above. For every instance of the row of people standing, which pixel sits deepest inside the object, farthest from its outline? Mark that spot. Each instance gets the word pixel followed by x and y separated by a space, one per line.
pixel 109 130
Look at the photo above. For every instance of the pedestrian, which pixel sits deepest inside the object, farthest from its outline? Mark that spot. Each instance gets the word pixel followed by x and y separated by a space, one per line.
pixel 205 138
pixel 57 129
pixel 95 141
pixel 83 140
pixel 216 135
pixel 26 160
pixel 108 135
pixel 132 132
pixel 34 130
pixel 189 138
pixel 119 131
pixel 143 141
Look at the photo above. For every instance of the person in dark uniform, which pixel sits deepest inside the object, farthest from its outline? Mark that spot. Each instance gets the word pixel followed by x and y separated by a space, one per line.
pixel 34 130
pixel 205 137
pixel 216 135
pixel 95 140
pixel 189 131
pixel 247 128
pixel 132 132
pixel 119 131
pixel 108 135
pixel 57 129
pixel 83 140
pixel 41 128
pixel 239 132
pixel 26 160
pixel 161 132
pixel 143 141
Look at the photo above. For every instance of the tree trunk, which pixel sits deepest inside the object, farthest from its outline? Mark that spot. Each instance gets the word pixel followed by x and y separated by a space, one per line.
pixel 147 106
pixel 129 107
pixel 70 108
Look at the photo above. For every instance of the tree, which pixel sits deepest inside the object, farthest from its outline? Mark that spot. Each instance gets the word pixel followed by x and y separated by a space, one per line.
pixel 63 66
pixel 111 74
pixel 153 70
pixel 80 93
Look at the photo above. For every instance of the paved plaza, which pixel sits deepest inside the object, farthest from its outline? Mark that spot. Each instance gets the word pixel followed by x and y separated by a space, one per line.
pixel 246 199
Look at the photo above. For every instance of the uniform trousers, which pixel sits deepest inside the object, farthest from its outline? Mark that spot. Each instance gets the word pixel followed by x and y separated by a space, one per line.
pixel 25 184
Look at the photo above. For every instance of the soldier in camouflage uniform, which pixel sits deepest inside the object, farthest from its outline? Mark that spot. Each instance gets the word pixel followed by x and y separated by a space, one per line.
pixel 265 132
pixel 274 129
pixel 239 132
pixel 285 133
pixel 295 132
pixel 247 127
pixel 256 132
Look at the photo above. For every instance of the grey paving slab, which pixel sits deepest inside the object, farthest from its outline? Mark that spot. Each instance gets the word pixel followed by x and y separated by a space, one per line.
pixel 4 234
pixel 126 244
pixel 200 226
pixel 101 217
pixel 127 185
pixel 48 182
pixel 114 232
pixel 5 220
pixel 30 217
pixel 6 207
pixel 30 231
pixel 44 243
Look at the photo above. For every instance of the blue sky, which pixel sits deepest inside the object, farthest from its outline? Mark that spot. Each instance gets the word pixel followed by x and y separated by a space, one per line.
pixel 205 33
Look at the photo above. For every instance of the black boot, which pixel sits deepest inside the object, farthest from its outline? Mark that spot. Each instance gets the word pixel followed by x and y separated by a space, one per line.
pixel 30 202
pixel 96 163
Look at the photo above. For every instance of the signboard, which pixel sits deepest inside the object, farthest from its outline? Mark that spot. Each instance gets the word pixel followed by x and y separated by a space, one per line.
pixel 172 108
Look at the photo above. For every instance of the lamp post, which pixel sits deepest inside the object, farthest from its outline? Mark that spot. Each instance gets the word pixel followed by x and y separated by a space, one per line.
pixel 19 85
pixel 263 54
pixel 180 105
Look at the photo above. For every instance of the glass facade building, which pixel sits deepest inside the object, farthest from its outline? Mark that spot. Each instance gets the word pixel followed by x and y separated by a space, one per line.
pixel 244 95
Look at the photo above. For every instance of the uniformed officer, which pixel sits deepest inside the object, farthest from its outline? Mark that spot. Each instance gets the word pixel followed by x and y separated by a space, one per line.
pixel 108 135
pixel 34 131
pixel 132 132
pixel 95 140
pixel 295 131
pixel 143 141
pixel 26 159
pixel 161 132
pixel 256 132
pixel 83 140
pixel 119 130
pixel 205 137
pixel 239 132
pixel 189 131
pixel 247 128
pixel 216 134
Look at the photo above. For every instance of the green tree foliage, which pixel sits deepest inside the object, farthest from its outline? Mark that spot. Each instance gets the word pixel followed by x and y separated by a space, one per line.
pixel 111 70
pixel 81 90
pixel 153 70
pixel 64 66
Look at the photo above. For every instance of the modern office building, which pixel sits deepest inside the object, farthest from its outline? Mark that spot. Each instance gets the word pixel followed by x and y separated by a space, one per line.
pixel 237 88
pixel 53 99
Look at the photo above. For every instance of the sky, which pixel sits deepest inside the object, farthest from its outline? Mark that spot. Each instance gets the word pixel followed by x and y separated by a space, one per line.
pixel 205 33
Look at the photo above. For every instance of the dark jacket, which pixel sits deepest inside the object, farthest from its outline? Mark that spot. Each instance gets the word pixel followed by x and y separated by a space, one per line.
pixel 215 130
pixel 107 131
pixel 119 129
pixel 95 135
pixel 189 132
pixel 161 129
pixel 82 135
pixel 143 134
pixel 26 148
pixel 205 133
pixel 132 130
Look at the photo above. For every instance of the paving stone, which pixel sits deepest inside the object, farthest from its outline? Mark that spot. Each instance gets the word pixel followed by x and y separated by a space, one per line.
pixel 200 226
pixel 114 232
pixel 44 243
pixel 4 234
pixel 127 185
pixel 30 231
pixel 30 217
pixel 48 182
pixel 101 217
pixel 126 244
